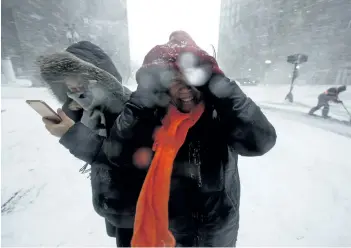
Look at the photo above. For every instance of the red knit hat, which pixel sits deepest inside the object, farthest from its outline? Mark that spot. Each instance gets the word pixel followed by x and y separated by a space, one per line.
pixel 179 54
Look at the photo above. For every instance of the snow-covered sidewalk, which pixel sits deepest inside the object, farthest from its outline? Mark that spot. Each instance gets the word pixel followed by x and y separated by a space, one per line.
pixel 45 200
pixel 298 194
pixel 305 97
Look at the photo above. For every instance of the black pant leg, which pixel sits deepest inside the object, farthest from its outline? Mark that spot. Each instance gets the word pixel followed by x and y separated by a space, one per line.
pixel 325 110
pixel 319 105
pixel 124 237
pixel 314 109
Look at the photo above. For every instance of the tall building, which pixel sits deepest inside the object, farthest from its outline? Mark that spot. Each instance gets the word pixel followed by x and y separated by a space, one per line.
pixel 107 26
pixel 33 28
pixel 256 37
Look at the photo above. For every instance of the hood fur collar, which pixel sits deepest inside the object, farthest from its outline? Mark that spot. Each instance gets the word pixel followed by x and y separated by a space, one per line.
pixel 56 67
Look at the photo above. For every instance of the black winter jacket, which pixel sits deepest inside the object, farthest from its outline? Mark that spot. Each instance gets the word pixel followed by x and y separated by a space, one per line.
pixel 205 186
pixel 331 94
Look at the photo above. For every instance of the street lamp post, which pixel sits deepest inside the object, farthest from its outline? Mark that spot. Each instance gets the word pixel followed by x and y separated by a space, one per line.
pixel 295 59
pixel 290 96
pixel 268 64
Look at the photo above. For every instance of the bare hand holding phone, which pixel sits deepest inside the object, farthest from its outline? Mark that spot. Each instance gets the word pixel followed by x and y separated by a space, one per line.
pixel 58 129
pixel 56 123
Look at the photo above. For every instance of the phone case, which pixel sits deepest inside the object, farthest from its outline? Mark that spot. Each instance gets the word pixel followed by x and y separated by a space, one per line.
pixel 43 109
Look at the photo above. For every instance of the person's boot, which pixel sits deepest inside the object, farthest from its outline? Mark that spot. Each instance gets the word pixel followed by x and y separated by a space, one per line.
pixel 325 112
pixel 312 111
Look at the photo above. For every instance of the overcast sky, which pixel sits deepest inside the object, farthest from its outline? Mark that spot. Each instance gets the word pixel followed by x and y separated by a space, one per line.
pixel 200 18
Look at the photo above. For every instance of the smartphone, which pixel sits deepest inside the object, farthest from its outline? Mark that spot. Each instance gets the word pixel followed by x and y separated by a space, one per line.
pixel 44 110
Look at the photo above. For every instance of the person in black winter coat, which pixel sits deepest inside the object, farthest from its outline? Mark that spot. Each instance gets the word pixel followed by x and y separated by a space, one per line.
pixel 332 94
pixel 85 80
pixel 205 187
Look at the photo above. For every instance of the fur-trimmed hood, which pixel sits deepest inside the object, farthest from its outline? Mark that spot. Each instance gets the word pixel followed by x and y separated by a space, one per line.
pixel 88 61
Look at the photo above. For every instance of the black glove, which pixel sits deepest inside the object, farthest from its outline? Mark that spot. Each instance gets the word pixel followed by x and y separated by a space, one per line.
pixel 222 87
pixel 152 91
pixel 218 87
pixel 146 97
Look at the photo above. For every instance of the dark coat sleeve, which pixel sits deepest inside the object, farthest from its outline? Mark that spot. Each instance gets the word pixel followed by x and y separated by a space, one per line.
pixel 117 148
pixel 74 115
pixel 82 142
pixel 248 130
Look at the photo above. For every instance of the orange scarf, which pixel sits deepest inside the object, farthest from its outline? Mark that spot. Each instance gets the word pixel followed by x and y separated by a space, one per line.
pixel 151 226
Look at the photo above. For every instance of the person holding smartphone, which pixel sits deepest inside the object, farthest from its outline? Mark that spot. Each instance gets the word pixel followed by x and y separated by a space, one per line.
pixel 86 81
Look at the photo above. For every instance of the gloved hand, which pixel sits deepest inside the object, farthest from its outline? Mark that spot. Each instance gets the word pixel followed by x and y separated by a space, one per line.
pixel 227 97
pixel 152 90
pixel 222 87
pixel 218 87
pixel 339 101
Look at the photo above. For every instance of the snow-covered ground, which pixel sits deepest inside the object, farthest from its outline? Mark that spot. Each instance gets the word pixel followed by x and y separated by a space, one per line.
pixel 45 200
pixel 305 97
pixel 272 98
pixel 296 195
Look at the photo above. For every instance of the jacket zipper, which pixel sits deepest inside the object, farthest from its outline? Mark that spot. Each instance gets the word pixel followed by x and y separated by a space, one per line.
pixel 195 158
